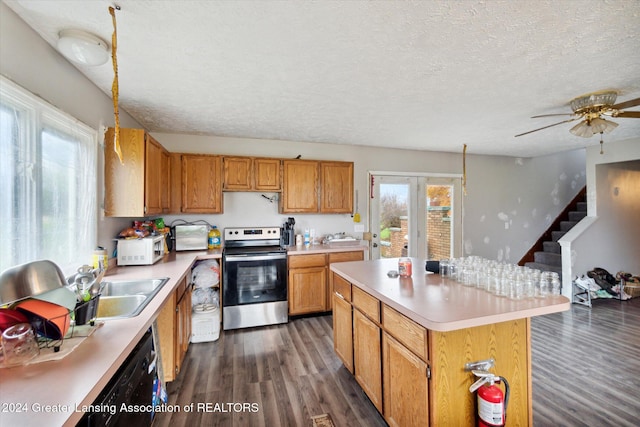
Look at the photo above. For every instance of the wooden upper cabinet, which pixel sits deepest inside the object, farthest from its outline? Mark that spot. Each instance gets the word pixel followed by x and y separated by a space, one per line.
pixel 238 173
pixel 336 180
pixel 300 186
pixel 134 187
pixel 165 186
pixel 201 183
pixel 175 183
pixel 266 174
pixel 251 174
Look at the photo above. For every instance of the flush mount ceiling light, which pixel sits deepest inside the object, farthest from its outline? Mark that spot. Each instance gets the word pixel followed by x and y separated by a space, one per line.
pixel 82 47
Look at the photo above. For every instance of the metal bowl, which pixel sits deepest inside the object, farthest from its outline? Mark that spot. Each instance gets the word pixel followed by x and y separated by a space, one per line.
pixel 30 279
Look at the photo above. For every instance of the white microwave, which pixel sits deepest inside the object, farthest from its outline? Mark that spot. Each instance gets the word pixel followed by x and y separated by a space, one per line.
pixel 145 251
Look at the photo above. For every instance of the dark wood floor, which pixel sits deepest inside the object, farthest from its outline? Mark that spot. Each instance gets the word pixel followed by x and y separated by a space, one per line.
pixel 586 372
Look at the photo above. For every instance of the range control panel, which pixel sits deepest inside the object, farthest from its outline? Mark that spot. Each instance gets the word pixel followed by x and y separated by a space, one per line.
pixel 252 233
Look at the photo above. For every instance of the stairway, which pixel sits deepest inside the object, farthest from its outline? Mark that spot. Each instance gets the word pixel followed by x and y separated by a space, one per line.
pixel 550 258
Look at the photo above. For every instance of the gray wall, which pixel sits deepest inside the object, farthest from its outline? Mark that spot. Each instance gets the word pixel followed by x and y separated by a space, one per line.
pixel 525 194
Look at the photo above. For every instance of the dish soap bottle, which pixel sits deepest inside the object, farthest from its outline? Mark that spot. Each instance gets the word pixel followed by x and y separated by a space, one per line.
pixel 213 241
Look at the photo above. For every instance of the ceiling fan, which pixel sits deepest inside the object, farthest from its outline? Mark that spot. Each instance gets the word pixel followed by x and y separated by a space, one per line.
pixel 589 109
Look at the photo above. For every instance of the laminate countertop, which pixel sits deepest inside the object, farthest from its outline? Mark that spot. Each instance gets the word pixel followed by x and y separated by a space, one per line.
pixel 326 248
pixel 438 303
pixel 53 393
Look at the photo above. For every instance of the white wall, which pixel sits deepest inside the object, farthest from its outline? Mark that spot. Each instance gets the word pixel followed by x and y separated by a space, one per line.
pixel 29 61
pixel 609 236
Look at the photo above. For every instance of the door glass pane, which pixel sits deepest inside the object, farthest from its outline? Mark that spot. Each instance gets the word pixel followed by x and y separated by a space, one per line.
pixel 439 221
pixel 394 219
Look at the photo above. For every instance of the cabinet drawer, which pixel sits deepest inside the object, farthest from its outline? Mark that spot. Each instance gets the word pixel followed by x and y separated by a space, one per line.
pixel 366 303
pixel 405 330
pixel 346 256
pixel 304 261
pixel 342 287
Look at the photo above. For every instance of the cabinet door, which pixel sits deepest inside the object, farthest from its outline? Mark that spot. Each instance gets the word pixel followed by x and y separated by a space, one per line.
pixel 336 180
pixel 343 331
pixel 124 182
pixel 183 328
pixel 406 387
pixel 307 290
pixel 300 186
pixel 266 174
pixel 165 185
pixel 201 183
pixel 367 357
pixel 237 173
pixel 175 183
pixel 153 176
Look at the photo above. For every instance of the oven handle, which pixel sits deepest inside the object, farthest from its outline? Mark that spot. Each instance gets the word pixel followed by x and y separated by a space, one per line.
pixel 231 258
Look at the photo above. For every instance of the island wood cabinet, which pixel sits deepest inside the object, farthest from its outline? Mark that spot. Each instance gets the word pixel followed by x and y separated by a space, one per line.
pixel 415 376
pixel 342 321
pixel 201 183
pixel 311 186
pixel 174 329
pixel 309 285
pixel 135 187
pixel 367 357
pixel 251 174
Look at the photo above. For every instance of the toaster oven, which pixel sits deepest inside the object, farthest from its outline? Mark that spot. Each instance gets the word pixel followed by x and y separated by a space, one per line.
pixel 145 251
pixel 191 237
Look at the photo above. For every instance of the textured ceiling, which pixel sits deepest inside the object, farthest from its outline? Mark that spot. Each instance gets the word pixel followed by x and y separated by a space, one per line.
pixel 428 75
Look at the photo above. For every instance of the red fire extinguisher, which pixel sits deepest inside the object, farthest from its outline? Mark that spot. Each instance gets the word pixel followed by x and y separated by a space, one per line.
pixel 492 402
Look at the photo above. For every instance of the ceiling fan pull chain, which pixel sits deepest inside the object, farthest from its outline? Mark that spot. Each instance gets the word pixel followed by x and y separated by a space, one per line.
pixel 601 151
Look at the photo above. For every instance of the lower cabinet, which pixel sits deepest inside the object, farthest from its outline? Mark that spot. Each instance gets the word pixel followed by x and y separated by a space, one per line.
pixel 310 286
pixel 174 328
pixel 366 357
pixel 405 384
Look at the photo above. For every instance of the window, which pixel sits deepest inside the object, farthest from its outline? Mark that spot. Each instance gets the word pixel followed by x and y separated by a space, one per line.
pixel 47 182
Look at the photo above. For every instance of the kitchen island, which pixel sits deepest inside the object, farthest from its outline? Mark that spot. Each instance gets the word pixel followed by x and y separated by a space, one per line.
pixel 406 340
pixel 53 393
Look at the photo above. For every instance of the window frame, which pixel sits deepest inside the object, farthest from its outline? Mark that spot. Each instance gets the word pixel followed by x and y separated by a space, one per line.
pixel 35 117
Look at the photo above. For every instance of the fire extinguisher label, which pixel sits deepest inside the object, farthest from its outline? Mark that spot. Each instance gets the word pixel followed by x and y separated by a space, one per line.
pixel 490 413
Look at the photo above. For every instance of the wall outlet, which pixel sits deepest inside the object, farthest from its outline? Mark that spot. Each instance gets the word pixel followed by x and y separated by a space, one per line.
pixel 358 228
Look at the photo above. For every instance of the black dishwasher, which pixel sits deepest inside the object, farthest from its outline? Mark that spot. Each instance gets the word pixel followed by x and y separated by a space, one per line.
pixel 127 398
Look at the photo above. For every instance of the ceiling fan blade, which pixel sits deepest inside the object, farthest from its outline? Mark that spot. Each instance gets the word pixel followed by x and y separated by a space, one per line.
pixel 555 124
pixel 626 104
pixel 552 115
pixel 629 114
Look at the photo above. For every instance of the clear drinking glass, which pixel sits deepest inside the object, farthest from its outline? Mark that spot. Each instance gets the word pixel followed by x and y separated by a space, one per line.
pixel 19 344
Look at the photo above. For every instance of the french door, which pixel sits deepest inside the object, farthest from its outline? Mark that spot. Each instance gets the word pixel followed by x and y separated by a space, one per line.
pixel 415 215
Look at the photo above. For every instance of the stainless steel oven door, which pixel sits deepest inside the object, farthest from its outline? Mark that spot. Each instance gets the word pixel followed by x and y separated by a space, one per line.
pixel 252 279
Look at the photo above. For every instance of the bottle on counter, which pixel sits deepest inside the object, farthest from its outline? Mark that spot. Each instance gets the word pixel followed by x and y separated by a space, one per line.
pixel 213 241
pixel 307 240
pixel 100 258
pixel 405 267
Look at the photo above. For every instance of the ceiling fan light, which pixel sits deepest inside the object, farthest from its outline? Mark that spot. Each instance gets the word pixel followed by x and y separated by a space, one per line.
pixel 583 129
pixel 82 47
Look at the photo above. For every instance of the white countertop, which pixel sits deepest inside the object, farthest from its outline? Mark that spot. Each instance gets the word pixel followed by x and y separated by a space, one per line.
pixel 438 303
pixel 46 394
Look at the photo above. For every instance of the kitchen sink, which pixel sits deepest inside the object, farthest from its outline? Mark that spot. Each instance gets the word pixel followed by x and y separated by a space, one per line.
pixel 127 298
